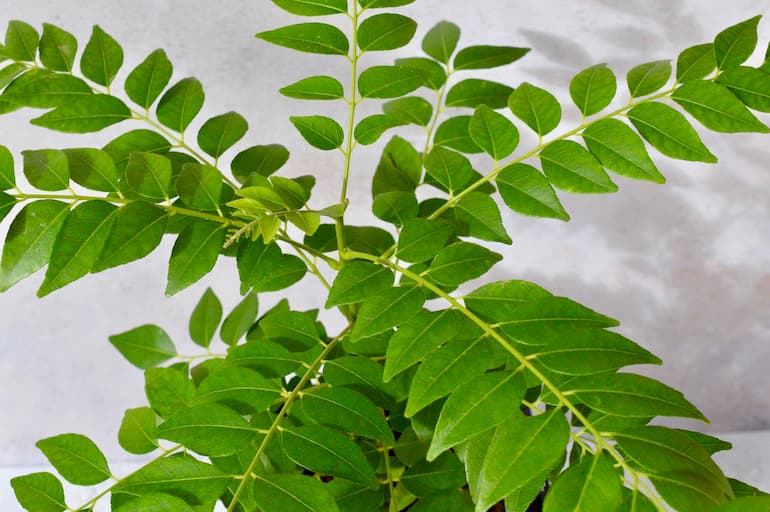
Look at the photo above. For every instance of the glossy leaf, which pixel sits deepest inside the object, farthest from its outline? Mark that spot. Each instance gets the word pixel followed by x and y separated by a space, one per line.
pixel 93 169
pixel 695 62
pixel 156 502
pixel 265 268
pixel 313 7
pixel 180 104
pixel 21 41
pixel 242 389
pixel 146 82
pixel 7 175
pixel 137 432
pixel 357 281
pixel 310 38
pixel 169 390
pixel 735 44
pixel 389 81
pixel 485 57
pixel 371 128
pixel 145 347
pixel 120 148
pixel 315 88
pixel 47 169
pixel 209 429
pixel 538 108
pixel 149 175
pixel 41 88
pixel 385 32
pixel 417 338
pixel 593 89
pixel 194 254
pixel 262 160
pixel 647 78
pixel 453 133
pixel 669 132
pixel 137 231
pixel 435 75
pixel 592 484
pixel 379 4
pixel 481 216
pixel 750 85
pixel 88 114
pixel 448 502
pixel 569 166
pixel 621 150
pixel 413 109
pixel 400 168
pixel 440 41
pixel 386 309
pixel 431 478
pixel 205 318
pixel 493 132
pixel 716 108
pixel 321 132
pixel 450 170
pixel 39 492
pixel 292 493
pixel 239 320
pixel 421 239
pixel 30 240
pixel 220 133
pixel 460 262
pixel 526 191
pixel 7 202
pixel 354 497
pixel 746 504
pixel 199 186
pixel 76 458
pixel 473 92
pixel 57 48
pixel 395 207
pixel 102 57
pixel 501 299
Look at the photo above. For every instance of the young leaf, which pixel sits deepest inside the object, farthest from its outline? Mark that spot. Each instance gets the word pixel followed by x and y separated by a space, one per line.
pixel 137 231
pixel 460 262
pixel 538 108
pixel 593 89
pixel 262 160
pixel 292 493
pixel 239 320
pixel 385 32
pixel 76 458
pixel 313 7
pixel 569 166
pixel 21 41
pixel 387 309
pixel 493 132
pixel 145 83
pixel 716 108
pixel 436 477
pixel 199 186
pixel 435 75
pixel 102 57
pixel 30 240
pixel 209 429
pixel 413 109
pixel 145 347
pixel 371 128
pixel 7 177
pixel 90 113
pixel 473 92
pixel 180 104
pixel 453 133
pixel 647 78
pixel 592 484
pixel 78 244
pixel 137 432
pixel 669 132
pixel 219 133
pixel 321 132
pixel 310 38
pixel 751 85
pixel 149 175
pixel 440 41
pixel 485 57
pixel 93 169
pixel 357 281
pixel 194 254
pixel 735 44
pixel 695 62
pixel 314 88
pixel 242 389
pixel 39 492
pixel 205 318
pixel 57 48
pixel 265 268
pixel 480 214
pixel 46 169
pixel 621 150
pixel 526 191
pixel 389 81
pixel 451 170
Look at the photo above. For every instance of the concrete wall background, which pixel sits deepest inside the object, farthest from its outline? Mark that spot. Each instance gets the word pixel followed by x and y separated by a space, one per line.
pixel 683 266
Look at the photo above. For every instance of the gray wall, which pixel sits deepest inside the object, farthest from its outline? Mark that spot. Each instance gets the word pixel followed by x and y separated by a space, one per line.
pixel 684 266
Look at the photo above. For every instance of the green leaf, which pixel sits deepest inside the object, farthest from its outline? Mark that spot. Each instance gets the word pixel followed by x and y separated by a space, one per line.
pixel 219 133
pixel 412 109
pixel 526 191
pixel 120 148
pixel 750 85
pixel 451 170
pixel 746 504
pixel 298 331
pixel 180 104
pixel 421 239
pixel 205 318
pixel 47 169
pixel 647 78
pixel 371 128
pixel 379 4
pixel 501 299
pixel 687 491
pixel 270 358
pixel 460 262
pixel 310 38
pixel 400 168
pixel 8 74
pixel 194 254
pixel 76 458
pixel 440 41
pixel 292 493
pixel 742 489
pixel 7 202
pixel 319 131
pixel 493 132
pixel 669 132
pixel 145 346
pixel 240 319
pixel 39 492
pixel 307 222
pixel 716 108
pixel 137 431
pixel 621 150
pixel 635 501
pixel 451 502
pixel 242 389
pixel 569 166
pixel 695 62
pixel 7 178
pixel 453 364
pixel 156 502
pixel 137 231
pixel 385 32
pixel 480 214
pixel 593 89
pixel 78 244
pixel 435 75
pixel 477 406
pixel 265 268
pixel 417 338
pixel 30 240
pixel 430 478
pixel 41 88
pixel 93 169
pixel 315 88
pixel 145 83
pixel 149 175
pixel 168 390
pixel 102 57
pixel 262 160
pixel 473 92
pixel 395 207
pixel 485 57
pixel 57 48
pixel 199 186
pixel 90 113
pixel 518 450
pixel 389 81
pixel 313 7
pixel 326 451
pixel 538 108
pixel 735 44
pixel 21 41
pixel 386 309
pixel 593 484
pixel 454 133
pixel 362 375
pixel 711 444
pixel 353 497
pixel 346 410
pixel 209 429
pixel 357 281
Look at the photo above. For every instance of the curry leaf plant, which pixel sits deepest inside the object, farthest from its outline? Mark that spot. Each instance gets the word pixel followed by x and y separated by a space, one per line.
pixel 427 399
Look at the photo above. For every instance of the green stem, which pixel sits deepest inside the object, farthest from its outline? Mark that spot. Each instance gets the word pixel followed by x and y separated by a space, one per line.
pixel 312 267
pixel 285 408
pixel 391 503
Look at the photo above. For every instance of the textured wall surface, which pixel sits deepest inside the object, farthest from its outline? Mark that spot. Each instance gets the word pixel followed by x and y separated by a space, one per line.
pixel 683 266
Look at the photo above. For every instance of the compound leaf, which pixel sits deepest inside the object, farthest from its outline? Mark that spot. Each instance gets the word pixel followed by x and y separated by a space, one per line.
pixel 454 133
pixel 449 169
